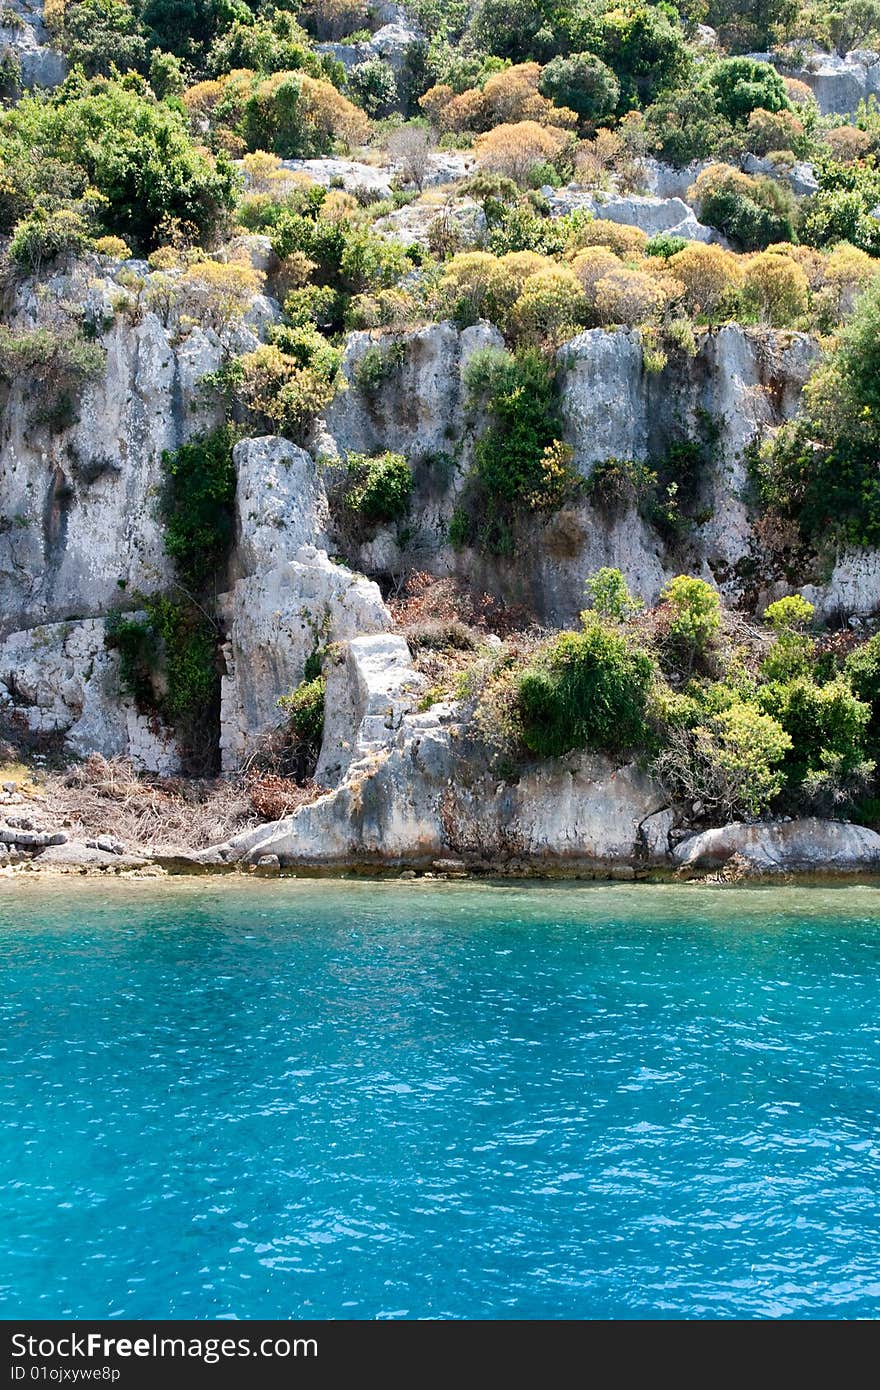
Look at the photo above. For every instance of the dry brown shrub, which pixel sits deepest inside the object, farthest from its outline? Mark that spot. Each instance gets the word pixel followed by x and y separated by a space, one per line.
pixel 273 796
pixel 108 796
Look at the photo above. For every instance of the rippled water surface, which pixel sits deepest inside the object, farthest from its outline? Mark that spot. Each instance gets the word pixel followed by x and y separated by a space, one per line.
pixel 327 1099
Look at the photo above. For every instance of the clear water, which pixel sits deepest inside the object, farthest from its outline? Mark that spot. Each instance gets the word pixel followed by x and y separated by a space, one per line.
pixel 413 1100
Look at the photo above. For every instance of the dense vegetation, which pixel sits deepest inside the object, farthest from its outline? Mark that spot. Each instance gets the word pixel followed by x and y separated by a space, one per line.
pixel 735 722
pixel 166 151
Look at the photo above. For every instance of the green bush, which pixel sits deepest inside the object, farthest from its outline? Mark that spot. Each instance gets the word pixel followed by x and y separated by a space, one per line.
pixel 137 644
pixel 752 218
pixel 821 470
pixel 695 616
pixel 377 366
pixel 862 670
pixel 304 711
pixel 793 652
pixel 665 244
pixel 790 614
pixel 583 83
pixel 103 36
pixel 56 362
pixel 741 85
pixel 285 381
pixel 584 690
pixel 136 152
pixel 44 236
pixel 820 721
pixel 685 124
pixel 197 505
pixel 378 488
pixel 373 86
pixel 168 664
pixel 609 596
pixel 730 761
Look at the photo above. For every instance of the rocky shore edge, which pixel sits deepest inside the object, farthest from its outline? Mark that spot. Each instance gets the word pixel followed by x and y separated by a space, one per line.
pixel 798 850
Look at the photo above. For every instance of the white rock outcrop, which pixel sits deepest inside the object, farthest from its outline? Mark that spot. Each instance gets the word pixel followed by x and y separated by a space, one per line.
pixel 61 679
pixel 275 619
pixel 797 846
pixel 419 408
pixel 650 214
pixel 80 521
pixel 838 84
pixel 24 35
pixel 369 690
pixel 280 504
pixel 415 223
pixel 406 789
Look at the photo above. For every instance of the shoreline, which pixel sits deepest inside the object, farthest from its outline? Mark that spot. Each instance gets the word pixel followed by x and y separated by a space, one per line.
pixel 364 872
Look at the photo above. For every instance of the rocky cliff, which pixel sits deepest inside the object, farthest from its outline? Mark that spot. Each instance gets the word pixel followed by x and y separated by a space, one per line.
pixel 82 537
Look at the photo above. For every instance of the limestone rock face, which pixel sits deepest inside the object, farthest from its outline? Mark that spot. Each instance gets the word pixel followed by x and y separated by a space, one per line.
pixel 406 792
pixel 415 801
pixel 61 679
pixel 650 214
pixel 275 620
pixel 854 586
pixel 28 41
pixel 279 503
pixel 80 506
pixel 839 84
pixel 800 176
pixel 443 166
pixel 412 224
pixel 746 382
pixel 391 43
pixel 419 408
pixel 368 693
pixel 788 846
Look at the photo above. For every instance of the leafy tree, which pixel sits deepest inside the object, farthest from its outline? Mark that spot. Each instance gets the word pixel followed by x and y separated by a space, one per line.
pixel 101 35
pixel 584 84
pixel 643 44
pixel 136 152
pixel 686 124
pixel 510 28
pixel 188 27
pixel 854 24
pixel 741 85
pixel 373 86
pixel 746 25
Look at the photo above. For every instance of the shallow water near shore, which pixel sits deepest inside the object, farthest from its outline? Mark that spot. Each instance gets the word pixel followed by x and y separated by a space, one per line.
pixel 352 1099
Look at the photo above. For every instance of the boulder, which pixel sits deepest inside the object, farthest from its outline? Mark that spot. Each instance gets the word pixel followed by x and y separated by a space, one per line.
pixel 412 224
pixel 797 846
pixel 838 84
pixel 651 215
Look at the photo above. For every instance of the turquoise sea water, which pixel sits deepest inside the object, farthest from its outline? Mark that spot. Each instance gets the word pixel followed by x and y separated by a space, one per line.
pixel 360 1100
